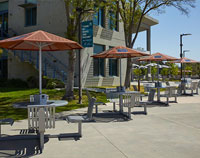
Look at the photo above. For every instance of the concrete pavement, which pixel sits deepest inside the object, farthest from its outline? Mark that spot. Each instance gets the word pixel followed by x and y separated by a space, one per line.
pixel 166 132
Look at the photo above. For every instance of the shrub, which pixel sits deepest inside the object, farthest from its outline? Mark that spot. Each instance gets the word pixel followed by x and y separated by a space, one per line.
pixel 13 83
pixel 54 83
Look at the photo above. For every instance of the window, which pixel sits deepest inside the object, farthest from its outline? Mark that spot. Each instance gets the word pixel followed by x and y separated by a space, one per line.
pixel 113 21
pixel 98 18
pixel 113 66
pixel 30 16
pixel 98 64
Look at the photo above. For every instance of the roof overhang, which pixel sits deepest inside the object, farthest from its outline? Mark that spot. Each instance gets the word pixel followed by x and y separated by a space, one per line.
pixel 28 5
pixel 147 22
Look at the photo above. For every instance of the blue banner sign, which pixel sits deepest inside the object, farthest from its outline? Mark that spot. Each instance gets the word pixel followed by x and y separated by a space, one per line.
pixel 158 57
pixel 87 34
pixel 122 50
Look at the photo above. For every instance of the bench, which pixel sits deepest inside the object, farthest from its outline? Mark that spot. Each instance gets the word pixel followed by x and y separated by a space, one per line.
pixel 7 121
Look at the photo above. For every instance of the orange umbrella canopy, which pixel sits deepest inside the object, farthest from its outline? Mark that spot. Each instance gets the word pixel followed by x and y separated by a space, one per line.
pixel 158 57
pixel 120 52
pixel 184 60
pixel 31 41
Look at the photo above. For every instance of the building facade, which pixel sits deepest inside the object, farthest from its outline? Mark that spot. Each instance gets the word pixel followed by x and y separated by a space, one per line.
pixel 23 16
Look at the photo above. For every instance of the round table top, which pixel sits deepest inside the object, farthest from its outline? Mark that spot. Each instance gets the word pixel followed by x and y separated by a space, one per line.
pixel 123 92
pixel 55 103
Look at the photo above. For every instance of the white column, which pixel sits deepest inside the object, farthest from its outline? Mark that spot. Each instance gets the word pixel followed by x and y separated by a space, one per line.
pixel 40 68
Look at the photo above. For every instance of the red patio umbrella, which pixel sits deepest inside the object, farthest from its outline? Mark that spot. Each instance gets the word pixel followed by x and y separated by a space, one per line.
pixel 39 41
pixel 184 60
pixel 158 57
pixel 120 52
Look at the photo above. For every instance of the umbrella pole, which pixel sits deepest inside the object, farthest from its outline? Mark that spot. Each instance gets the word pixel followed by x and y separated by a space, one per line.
pixel 120 72
pixel 40 68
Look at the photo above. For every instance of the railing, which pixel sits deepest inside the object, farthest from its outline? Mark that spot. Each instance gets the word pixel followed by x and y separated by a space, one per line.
pixel 58 69
pixel 50 68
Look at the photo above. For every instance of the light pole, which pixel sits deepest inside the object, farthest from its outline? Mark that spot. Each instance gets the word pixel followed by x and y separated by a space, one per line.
pixel 181 47
pixel 184 64
pixel 184 52
pixel 81 11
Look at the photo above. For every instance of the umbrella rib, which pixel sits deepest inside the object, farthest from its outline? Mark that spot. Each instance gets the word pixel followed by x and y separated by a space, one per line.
pixel 16 45
pixel 46 36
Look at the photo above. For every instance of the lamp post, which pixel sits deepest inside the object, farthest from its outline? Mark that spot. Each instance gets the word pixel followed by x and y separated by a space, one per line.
pixel 184 52
pixel 184 64
pixel 181 47
pixel 81 11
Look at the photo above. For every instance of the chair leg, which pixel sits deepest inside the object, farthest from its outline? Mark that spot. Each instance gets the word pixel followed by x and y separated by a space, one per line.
pixel 167 100
pixel 176 99
pixel 129 112
pixel 80 128
pixel 96 107
pixel 41 140
pixel 114 108
pixel 145 109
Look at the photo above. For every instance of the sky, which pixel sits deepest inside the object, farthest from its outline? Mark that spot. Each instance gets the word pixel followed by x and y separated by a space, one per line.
pixel 165 37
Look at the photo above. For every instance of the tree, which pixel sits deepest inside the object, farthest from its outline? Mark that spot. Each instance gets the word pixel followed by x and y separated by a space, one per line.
pixel 173 70
pixel 164 72
pixel 132 13
pixel 153 72
pixel 76 11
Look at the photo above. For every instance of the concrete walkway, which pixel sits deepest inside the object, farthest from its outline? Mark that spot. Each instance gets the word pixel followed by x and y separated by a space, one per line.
pixel 166 132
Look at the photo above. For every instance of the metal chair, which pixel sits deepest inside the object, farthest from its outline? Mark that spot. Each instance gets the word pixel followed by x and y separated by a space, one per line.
pixel 7 121
pixel 131 100
pixel 113 98
pixel 193 87
pixel 170 92
pixel 95 103
pixel 79 119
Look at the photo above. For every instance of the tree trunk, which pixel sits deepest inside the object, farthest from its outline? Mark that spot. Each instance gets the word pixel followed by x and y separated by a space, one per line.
pixel 69 95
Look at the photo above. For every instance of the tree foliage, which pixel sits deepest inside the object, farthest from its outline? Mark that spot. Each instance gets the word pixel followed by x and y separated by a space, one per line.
pixel 132 13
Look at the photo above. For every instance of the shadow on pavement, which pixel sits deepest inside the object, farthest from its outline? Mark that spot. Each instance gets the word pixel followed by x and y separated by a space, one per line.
pixel 20 146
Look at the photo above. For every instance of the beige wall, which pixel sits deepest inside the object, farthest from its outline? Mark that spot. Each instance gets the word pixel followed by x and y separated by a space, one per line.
pixel 51 18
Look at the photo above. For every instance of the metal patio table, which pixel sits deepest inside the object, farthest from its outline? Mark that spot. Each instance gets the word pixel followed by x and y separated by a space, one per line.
pixel 55 103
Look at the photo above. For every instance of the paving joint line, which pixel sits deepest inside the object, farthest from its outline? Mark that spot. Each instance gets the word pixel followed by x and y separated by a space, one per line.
pixel 179 123
pixel 110 142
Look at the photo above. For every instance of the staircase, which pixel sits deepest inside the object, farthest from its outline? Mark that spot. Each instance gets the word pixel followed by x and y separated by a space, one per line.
pixel 91 80
pixel 52 67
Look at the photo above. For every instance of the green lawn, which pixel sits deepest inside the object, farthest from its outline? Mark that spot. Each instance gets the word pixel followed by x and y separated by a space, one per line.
pixel 8 96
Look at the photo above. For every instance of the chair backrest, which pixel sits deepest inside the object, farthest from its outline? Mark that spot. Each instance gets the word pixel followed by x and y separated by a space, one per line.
pixel 135 88
pixel 170 91
pixel 131 99
pixel 151 94
pixel 90 108
pixel 194 85
pixel 88 95
pixel 41 117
